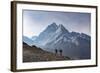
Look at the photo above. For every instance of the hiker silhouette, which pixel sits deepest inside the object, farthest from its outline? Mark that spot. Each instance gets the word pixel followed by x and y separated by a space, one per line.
pixel 56 51
pixel 60 51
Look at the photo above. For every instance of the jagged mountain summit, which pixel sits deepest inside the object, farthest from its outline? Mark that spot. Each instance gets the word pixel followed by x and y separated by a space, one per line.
pixel 73 44
pixel 44 35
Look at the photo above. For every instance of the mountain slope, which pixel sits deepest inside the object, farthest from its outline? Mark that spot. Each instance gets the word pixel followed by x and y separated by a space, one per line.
pixel 34 38
pixel 27 40
pixel 76 47
pixel 44 35
pixel 35 54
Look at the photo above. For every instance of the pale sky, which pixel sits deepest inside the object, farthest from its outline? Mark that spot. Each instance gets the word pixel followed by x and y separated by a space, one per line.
pixel 35 21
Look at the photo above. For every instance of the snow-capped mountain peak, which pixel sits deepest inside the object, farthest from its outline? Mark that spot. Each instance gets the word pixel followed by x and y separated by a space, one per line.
pixel 54 25
pixel 61 29
pixel 61 26
pixel 46 33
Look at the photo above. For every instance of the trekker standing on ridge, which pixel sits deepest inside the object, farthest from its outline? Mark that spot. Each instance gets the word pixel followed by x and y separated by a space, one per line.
pixel 60 52
pixel 56 51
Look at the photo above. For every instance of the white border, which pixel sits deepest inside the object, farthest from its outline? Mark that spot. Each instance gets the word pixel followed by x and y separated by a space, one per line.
pixel 21 65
